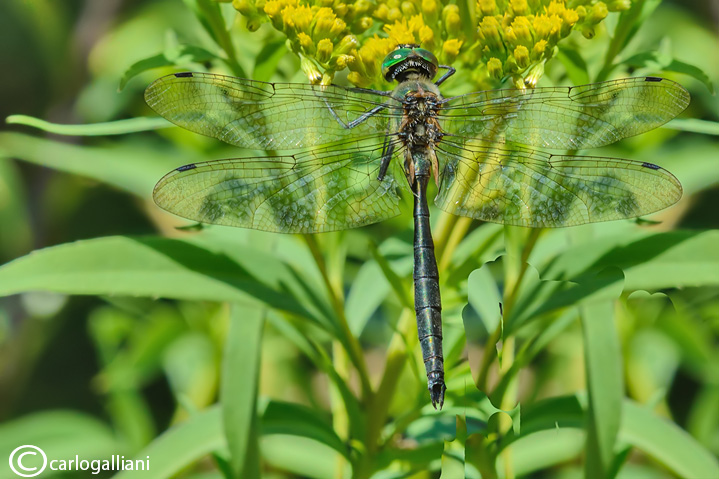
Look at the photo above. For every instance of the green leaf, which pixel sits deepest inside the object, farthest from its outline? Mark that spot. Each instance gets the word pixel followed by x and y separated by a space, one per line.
pixel 366 294
pixel 603 363
pixel 132 168
pixel 484 299
pixel 302 456
pixel 650 261
pixel 296 420
pixel 574 64
pixel 398 286
pixel 14 212
pixel 181 446
pixel 179 55
pixel 694 125
pixel 61 435
pixel 657 61
pixel 268 59
pixel 666 442
pixel 210 16
pixel 153 267
pixel 240 378
pixel 118 127
pixel 544 449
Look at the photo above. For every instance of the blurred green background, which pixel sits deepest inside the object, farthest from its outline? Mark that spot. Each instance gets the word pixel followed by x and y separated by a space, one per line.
pixel 108 344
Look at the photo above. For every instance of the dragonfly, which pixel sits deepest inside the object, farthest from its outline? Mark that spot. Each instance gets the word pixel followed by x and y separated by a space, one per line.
pixel 353 153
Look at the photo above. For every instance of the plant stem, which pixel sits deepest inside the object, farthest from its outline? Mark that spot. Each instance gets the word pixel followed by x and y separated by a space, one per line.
pixel 622 34
pixel 378 409
pixel 352 346
pixel 455 237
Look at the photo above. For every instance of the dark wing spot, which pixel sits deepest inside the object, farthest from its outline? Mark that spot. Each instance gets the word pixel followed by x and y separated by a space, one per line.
pixel 191 166
pixel 183 75
pixel 654 79
pixel 651 166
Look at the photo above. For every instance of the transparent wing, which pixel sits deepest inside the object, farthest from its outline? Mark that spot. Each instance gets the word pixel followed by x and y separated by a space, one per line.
pixel 519 186
pixel 586 116
pixel 309 192
pixel 268 116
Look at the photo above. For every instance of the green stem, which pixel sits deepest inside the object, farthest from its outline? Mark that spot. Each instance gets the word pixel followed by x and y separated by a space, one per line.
pixel 459 231
pixel 442 231
pixel 352 346
pixel 622 34
pixel 378 409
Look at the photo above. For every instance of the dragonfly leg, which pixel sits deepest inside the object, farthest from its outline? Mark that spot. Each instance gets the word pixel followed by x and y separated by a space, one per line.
pixel 450 71
pixel 387 152
pixel 353 123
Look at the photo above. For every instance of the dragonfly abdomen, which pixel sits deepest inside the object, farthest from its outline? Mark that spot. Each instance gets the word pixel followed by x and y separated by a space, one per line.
pixel 427 301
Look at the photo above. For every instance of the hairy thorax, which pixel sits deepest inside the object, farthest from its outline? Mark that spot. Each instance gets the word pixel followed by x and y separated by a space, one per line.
pixel 419 129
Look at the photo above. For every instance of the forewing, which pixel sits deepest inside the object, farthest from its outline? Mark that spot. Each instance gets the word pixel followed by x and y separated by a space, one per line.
pixel 309 192
pixel 519 186
pixel 586 116
pixel 267 116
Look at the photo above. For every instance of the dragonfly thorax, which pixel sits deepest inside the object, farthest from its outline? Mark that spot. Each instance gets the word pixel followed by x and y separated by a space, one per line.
pixel 419 127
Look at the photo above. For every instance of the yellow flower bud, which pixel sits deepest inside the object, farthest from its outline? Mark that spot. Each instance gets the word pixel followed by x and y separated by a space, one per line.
pixel 306 43
pixel 597 13
pixel 451 19
pixel 341 9
pixel 408 9
pixel 539 49
pixel 521 32
pixel 588 32
pixel 324 21
pixel 400 33
pixel 309 68
pixel 555 8
pixel 619 5
pixel 395 14
pixel 519 7
pixel 245 7
pixel 546 26
pixel 273 9
pixel 296 19
pixel 581 12
pixel 430 10
pixel 324 50
pixel 356 79
pixel 340 62
pixel 487 7
pixel 347 44
pixel 521 55
pixel 535 73
pixel 362 7
pixel 382 13
pixel 426 37
pixel 338 27
pixel 494 68
pixel 450 50
pixel 490 32
pixel 364 24
pixel 327 77
pixel 415 23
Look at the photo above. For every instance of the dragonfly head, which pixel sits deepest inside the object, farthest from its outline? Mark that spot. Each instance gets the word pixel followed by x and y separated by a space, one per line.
pixel 409 61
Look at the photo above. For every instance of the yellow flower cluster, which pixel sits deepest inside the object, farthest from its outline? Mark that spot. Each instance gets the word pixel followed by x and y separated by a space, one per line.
pixel 516 37
pixel 497 39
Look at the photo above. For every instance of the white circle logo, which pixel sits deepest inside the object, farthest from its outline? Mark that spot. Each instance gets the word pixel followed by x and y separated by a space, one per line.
pixel 16 459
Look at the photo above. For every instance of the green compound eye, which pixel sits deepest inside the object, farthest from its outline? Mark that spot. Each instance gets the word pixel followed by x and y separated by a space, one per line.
pixel 409 58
